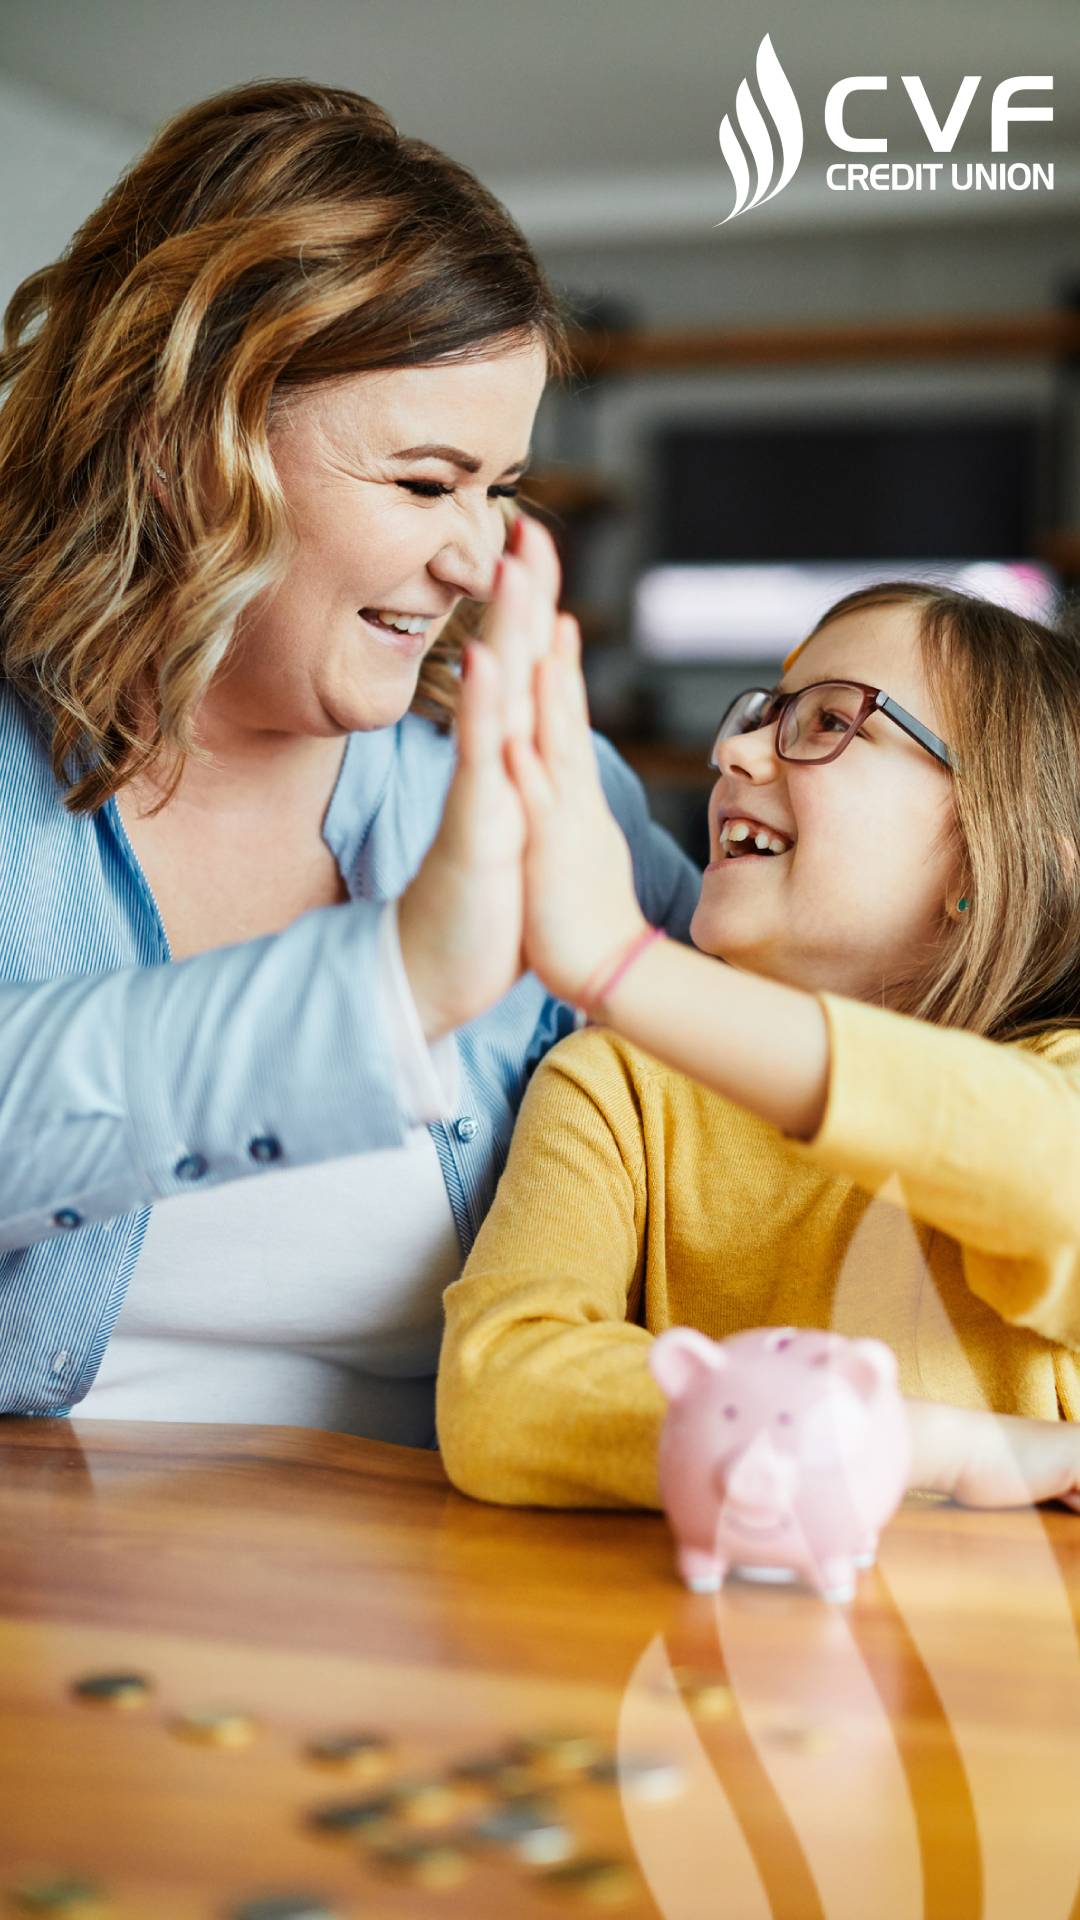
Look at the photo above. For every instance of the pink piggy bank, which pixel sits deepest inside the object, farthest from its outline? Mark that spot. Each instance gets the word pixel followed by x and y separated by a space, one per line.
pixel 783 1454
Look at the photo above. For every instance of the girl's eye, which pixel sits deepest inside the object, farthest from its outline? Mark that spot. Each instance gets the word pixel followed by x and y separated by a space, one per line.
pixel 842 723
pixel 435 489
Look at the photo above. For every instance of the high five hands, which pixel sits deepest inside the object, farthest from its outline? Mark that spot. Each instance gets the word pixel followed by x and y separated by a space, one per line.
pixel 529 868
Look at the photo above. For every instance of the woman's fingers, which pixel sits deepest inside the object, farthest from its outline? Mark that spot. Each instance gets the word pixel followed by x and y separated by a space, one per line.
pixel 534 547
pixel 479 719
pixel 530 777
pixel 521 622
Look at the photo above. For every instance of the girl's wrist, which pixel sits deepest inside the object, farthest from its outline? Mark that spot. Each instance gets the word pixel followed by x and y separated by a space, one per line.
pixel 593 995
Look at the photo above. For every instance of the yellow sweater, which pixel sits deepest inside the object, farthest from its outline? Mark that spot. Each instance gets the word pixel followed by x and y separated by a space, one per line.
pixel 937 1207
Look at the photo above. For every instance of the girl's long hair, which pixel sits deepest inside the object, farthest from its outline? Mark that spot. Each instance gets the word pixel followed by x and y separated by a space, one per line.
pixel 1008 689
pixel 272 237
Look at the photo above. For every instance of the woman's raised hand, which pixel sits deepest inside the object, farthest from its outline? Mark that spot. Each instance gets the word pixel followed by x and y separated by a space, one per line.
pixel 460 922
pixel 580 908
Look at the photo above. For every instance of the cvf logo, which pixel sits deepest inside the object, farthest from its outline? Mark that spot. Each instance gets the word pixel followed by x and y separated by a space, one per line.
pixel 764 146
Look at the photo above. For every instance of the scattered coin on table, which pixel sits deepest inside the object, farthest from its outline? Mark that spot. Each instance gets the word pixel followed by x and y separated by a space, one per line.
pixel 285 1906
pixel 558 1753
pixel 529 1828
pixel 425 1863
pixel 346 1817
pixel 706 1694
pixel 645 1778
pixel 113 1689
pixel 603 1882
pixel 60 1894
pixel 426 1803
pixel 497 1771
pixel 216 1727
pixel 367 1755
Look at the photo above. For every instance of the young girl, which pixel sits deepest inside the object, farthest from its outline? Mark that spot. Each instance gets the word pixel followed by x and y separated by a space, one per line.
pixel 881 1133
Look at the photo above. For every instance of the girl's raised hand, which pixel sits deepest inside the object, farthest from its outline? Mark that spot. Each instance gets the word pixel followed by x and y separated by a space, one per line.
pixel 581 909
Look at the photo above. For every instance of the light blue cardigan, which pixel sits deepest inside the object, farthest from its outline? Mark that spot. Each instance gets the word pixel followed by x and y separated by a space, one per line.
pixel 124 1079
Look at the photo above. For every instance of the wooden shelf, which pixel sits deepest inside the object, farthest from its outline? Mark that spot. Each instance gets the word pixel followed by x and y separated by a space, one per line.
pixel 1032 336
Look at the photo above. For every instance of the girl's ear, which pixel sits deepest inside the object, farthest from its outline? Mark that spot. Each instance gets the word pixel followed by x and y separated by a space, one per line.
pixel 682 1359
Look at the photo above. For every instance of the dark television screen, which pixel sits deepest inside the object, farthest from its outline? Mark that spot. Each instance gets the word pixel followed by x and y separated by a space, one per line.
pixel 866 489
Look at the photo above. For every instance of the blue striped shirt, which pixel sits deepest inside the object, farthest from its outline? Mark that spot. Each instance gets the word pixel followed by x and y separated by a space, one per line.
pixel 124 1076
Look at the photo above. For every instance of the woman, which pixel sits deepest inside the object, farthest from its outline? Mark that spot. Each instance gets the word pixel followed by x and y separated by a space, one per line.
pixel 256 462
pixel 895 887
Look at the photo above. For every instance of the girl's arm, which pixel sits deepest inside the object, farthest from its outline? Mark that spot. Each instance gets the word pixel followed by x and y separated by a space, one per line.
pixel 544 1395
pixel 985 1138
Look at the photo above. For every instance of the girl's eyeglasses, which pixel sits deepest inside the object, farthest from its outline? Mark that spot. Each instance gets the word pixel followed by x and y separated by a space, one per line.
pixel 817 722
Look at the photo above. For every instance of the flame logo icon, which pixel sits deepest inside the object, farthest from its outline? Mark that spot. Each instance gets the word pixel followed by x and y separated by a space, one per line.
pixel 782 106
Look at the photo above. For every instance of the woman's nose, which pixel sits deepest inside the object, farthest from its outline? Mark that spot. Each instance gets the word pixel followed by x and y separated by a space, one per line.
pixel 467 562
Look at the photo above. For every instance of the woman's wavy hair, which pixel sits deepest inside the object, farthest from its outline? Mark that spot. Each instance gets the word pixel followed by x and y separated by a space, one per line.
pixel 278 235
pixel 1008 689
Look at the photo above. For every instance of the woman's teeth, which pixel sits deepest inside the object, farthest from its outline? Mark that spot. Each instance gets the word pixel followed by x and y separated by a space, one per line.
pixel 397 622
pixel 734 832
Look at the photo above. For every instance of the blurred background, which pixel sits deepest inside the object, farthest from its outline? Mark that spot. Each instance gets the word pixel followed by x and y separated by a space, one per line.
pixel 832 386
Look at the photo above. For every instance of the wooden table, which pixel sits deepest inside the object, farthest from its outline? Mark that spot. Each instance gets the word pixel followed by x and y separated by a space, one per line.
pixel 917 1753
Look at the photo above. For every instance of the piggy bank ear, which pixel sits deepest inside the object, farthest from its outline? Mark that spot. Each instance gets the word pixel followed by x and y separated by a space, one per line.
pixel 869 1365
pixel 681 1359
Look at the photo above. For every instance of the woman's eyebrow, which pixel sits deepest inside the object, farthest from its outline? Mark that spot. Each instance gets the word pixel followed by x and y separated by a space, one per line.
pixel 467 462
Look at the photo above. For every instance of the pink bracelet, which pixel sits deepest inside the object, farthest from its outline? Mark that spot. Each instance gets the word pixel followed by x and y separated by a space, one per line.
pixel 593 995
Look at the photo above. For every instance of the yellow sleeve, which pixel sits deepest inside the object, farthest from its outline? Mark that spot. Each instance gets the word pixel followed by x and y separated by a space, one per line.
pixel 544 1396
pixel 985 1138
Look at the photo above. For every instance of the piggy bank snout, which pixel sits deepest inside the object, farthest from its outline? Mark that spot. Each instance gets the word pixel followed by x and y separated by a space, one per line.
pixel 759 1475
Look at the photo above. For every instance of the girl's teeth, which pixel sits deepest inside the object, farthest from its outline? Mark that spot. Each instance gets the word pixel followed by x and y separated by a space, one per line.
pixel 740 831
pixel 761 840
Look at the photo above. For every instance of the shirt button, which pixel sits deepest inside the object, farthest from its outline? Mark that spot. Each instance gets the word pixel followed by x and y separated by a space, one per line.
pixel 67 1217
pixel 466 1128
pixel 265 1148
pixel 191 1167
pixel 59 1360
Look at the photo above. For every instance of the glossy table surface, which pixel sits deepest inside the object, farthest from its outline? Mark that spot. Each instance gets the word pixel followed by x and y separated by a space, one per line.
pixel 916 1753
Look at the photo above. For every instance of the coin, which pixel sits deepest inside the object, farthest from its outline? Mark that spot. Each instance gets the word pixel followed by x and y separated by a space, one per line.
pixel 113 1689
pixel 529 1828
pixel 497 1771
pixel 427 1863
pixel 645 1778
pixel 706 1694
pixel 562 1753
pixel 216 1727
pixel 605 1883
pixel 74 1899
pixel 347 1817
pixel 427 1803
pixel 365 1754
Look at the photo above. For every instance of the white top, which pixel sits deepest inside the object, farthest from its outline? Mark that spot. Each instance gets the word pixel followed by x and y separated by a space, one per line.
pixel 309 1297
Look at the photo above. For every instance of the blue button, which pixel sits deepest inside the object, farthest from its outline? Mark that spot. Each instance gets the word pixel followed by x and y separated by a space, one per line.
pixel 67 1217
pixel 265 1148
pixel 191 1167
pixel 466 1128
